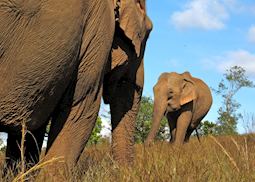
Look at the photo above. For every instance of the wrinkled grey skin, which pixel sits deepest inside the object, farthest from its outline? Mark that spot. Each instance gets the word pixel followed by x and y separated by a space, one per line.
pixel 55 58
pixel 184 100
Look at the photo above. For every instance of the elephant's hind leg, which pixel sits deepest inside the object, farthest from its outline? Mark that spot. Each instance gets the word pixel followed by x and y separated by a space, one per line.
pixel 33 145
pixel 188 134
pixel 34 142
pixel 12 151
pixel 172 124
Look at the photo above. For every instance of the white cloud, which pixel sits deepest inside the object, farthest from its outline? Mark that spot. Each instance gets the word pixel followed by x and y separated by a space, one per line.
pixel 251 34
pixel 172 63
pixel 106 127
pixel 204 14
pixel 241 58
pixel 106 121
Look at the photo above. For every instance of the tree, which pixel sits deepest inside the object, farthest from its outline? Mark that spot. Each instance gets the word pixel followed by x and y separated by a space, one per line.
pixel 144 122
pixel 95 136
pixel 249 122
pixel 2 146
pixel 234 79
pixel 1 143
pixel 207 128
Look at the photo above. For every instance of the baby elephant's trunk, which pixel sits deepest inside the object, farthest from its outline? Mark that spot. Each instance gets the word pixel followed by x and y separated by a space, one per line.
pixel 159 109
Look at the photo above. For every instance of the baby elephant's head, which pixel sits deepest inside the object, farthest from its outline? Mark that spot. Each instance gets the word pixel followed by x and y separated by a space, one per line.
pixel 174 90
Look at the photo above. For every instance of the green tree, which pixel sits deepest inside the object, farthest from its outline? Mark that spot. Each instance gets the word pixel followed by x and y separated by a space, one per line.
pixel 207 128
pixel 234 79
pixel 95 135
pixel 144 122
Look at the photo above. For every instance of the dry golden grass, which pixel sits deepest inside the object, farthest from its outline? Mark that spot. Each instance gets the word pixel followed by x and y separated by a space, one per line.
pixel 214 159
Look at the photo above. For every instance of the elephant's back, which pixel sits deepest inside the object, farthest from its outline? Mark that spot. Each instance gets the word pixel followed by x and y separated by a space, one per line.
pixel 39 45
pixel 204 92
pixel 203 102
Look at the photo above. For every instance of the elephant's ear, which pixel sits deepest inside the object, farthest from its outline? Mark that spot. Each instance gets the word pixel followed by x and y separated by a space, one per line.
pixel 134 22
pixel 189 92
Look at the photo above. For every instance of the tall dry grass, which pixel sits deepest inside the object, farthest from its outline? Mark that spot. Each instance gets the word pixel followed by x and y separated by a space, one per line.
pixel 214 159
pixel 23 171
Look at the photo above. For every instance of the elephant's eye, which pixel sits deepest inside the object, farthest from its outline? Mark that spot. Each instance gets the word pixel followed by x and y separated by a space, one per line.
pixel 169 97
pixel 170 94
pixel 140 5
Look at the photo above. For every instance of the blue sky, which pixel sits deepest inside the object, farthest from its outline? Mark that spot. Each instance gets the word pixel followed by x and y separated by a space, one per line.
pixel 204 37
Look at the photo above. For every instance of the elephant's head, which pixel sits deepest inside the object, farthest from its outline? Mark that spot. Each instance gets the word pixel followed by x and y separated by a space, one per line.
pixel 131 18
pixel 171 92
pixel 132 30
pixel 124 77
pixel 174 90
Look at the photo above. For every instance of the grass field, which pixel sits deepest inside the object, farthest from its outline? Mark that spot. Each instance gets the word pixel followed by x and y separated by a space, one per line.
pixel 214 159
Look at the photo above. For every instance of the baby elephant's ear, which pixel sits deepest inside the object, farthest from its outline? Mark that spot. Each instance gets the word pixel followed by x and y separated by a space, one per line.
pixel 189 92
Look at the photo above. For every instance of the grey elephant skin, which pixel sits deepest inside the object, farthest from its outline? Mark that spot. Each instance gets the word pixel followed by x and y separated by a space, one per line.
pixel 55 58
pixel 184 100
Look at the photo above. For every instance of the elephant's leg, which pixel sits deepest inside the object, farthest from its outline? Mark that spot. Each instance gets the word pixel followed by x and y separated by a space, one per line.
pixel 182 125
pixel 12 155
pixel 60 114
pixel 34 141
pixel 75 133
pixel 12 150
pixel 172 120
pixel 33 145
pixel 172 125
pixel 188 134
pixel 79 122
pixel 72 125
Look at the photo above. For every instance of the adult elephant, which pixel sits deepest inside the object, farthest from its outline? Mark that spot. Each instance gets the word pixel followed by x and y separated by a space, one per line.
pixel 54 58
pixel 184 100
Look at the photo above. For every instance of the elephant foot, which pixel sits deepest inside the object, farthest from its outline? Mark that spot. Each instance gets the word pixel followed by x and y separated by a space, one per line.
pixel 148 143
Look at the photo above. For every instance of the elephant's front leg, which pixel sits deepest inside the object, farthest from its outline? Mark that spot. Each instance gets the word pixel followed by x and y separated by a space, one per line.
pixel 79 121
pixel 124 108
pixel 182 125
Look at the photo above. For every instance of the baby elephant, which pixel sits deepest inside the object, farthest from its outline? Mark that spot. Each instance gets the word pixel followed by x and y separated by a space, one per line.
pixel 184 100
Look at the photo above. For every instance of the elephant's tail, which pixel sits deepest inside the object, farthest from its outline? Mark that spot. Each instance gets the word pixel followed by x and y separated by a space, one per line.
pixel 198 137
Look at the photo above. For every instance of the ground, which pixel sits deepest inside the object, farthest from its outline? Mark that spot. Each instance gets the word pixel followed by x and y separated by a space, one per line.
pixel 214 159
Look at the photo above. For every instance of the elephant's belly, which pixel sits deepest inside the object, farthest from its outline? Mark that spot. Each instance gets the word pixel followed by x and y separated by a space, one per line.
pixel 30 104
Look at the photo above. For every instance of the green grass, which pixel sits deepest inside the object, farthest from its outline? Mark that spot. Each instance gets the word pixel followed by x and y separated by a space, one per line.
pixel 214 159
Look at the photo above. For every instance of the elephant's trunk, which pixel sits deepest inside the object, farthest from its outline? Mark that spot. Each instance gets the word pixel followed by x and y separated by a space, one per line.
pixel 159 108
